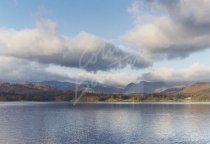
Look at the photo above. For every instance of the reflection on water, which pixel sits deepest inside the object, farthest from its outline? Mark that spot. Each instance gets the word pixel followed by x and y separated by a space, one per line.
pixel 52 123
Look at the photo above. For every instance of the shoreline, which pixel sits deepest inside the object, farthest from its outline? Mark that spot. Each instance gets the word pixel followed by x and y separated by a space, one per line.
pixel 66 102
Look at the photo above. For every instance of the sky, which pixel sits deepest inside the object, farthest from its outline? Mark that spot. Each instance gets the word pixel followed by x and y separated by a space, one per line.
pixel 111 42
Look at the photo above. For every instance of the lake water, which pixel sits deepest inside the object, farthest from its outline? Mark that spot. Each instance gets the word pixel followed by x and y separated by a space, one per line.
pixel 143 123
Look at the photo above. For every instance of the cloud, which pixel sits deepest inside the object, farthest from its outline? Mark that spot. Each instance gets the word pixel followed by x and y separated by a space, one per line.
pixel 19 70
pixel 15 70
pixel 115 78
pixel 134 10
pixel 195 73
pixel 45 45
pixel 163 30
pixel 170 29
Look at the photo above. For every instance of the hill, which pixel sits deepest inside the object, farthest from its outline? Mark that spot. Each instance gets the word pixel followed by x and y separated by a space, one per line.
pixel 196 88
pixel 145 87
pixel 194 92
pixel 63 91
pixel 93 87
pixel 27 91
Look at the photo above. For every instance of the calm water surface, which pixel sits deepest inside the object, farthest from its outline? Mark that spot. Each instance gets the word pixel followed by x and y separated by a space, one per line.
pixel 63 123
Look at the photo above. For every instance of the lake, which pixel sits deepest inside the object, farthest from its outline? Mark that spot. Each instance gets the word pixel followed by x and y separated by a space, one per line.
pixel 136 123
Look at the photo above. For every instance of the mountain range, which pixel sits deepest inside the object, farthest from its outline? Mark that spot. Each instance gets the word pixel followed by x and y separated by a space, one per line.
pixel 141 87
pixel 65 89
pixel 196 89
pixel 145 87
pixel 93 87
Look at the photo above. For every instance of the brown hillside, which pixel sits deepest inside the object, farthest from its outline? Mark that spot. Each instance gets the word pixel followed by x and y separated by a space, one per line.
pixel 196 88
pixel 25 88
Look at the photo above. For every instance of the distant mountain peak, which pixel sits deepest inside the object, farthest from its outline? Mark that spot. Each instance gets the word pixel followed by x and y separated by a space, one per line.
pixel 144 87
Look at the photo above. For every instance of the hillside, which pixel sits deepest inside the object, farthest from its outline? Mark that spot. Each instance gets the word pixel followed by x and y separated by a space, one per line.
pixel 144 87
pixel 63 86
pixel 86 85
pixel 143 91
pixel 196 88
pixel 27 91
pixel 23 88
pixel 194 92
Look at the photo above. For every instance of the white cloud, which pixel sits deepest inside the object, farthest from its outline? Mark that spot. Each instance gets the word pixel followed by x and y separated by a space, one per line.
pixel 45 45
pixel 195 73
pixel 14 70
pixel 163 30
pixel 171 29
pixel 134 10
pixel 112 77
